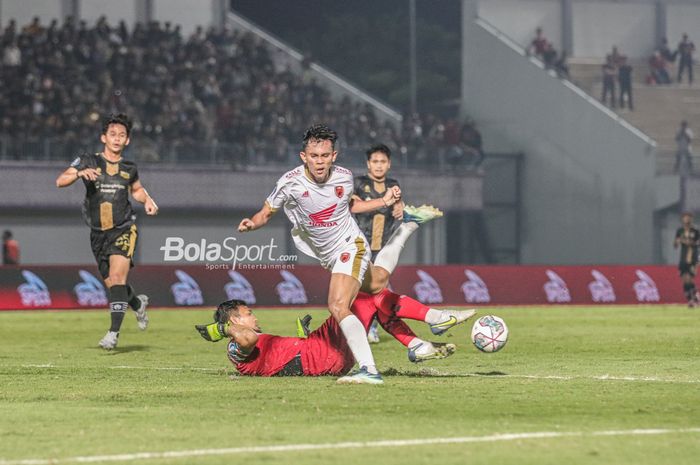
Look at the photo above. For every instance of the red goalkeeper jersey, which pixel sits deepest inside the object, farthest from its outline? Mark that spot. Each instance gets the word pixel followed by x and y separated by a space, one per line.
pixel 324 352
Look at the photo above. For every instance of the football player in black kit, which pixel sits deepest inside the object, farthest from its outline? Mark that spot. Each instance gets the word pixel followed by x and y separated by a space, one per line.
pixel 108 180
pixel 377 225
pixel 688 237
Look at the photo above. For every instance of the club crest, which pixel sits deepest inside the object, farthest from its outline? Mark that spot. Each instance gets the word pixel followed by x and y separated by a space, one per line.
pixel 339 191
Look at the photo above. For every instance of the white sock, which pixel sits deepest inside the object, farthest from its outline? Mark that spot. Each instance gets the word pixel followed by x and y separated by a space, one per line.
pixel 415 342
pixel 433 317
pixel 356 337
pixel 388 257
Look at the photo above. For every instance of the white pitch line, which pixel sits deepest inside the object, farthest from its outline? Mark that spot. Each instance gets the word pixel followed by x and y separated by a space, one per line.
pixel 342 445
pixel 427 372
pixel 125 367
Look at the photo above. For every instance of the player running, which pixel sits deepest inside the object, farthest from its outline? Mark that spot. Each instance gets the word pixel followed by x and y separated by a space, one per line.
pixel 377 225
pixel 316 198
pixel 688 238
pixel 108 179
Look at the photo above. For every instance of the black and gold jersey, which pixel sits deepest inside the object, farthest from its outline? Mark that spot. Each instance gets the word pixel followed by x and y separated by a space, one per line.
pixel 106 204
pixel 378 225
pixel 689 245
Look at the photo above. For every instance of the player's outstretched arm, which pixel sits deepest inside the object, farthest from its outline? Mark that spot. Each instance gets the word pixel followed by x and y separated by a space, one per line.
pixel 70 175
pixel 139 193
pixel 258 220
pixel 214 332
pixel 391 196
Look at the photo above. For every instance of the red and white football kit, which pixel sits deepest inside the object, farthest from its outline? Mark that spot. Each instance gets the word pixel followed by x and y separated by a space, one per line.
pixel 323 227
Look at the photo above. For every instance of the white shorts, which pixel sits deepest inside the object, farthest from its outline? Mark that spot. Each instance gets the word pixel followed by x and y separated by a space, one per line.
pixel 352 260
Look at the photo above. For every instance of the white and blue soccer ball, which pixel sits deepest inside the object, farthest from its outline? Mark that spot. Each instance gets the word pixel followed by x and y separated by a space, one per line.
pixel 489 333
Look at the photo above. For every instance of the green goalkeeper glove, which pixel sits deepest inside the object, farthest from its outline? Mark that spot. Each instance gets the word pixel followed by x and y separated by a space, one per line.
pixel 213 332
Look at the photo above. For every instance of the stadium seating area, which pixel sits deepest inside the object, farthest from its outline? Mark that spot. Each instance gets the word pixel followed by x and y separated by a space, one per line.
pixel 186 95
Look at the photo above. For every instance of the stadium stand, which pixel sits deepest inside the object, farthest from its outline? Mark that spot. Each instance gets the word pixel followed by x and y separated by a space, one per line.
pixel 213 96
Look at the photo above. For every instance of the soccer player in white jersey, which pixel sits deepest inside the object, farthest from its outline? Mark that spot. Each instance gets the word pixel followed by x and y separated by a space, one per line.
pixel 317 199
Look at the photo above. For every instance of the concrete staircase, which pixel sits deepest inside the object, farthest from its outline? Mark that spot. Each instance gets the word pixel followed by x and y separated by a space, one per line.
pixel 658 110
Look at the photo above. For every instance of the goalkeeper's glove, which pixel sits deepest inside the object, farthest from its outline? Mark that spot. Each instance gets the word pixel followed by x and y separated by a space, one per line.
pixel 213 332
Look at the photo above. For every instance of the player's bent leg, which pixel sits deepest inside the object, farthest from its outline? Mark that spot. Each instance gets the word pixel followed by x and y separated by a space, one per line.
pixel 118 297
pixel 405 307
pixel 138 304
pixel 342 291
pixel 388 257
pixel 364 309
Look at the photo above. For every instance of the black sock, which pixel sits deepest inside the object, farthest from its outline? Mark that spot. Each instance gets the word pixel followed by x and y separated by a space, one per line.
pixel 117 305
pixel 688 290
pixel 134 301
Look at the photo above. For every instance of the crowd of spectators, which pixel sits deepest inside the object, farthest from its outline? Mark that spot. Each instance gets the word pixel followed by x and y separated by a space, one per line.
pixel 58 80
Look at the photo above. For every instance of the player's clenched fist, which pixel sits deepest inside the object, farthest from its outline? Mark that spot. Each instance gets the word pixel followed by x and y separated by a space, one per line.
pixel 392 196
pixel 246 225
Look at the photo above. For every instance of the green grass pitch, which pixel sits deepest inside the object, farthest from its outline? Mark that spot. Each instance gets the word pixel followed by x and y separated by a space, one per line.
pixel 574 373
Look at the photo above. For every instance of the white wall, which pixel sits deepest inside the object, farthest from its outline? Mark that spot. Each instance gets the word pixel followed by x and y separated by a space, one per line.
pixel 187 13
pixel 24 11
pixel 520 18
pixel 63 238
pixel 587 177
pixel 91 10
pixel 680 19
pixel 598 26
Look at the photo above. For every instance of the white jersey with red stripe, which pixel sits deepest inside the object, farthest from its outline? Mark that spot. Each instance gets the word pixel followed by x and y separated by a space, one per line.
pixel 320 213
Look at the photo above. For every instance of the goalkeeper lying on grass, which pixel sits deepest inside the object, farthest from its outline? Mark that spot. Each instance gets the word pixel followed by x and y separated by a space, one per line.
pixel 325 350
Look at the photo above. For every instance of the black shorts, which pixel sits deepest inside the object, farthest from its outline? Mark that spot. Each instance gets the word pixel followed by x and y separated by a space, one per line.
pixel 116 241
pixel 687 268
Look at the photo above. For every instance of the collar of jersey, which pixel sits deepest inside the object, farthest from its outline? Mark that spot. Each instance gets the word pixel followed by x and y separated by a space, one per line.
pixel 310 178
pixel 101 154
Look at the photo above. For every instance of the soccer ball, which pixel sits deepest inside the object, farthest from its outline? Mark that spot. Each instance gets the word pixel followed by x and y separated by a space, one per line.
pixel 489 333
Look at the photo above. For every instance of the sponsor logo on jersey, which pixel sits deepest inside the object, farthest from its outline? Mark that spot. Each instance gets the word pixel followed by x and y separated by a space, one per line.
pixel 34 293
pixel 239 288
pixel 90 291
pixel 339 191
pixel 427 289
pixel 475 289
pixel 320 219
pixel 556 289
pixel 645 288
pixel 186 291
pixel 344 257
pixel 291 290
pixel 601 289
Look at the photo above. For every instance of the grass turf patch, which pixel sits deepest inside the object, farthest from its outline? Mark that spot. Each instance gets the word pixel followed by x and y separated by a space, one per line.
pixel 565 369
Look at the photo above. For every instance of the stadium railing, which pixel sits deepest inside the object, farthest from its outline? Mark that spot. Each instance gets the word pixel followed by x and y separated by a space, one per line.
pixel 235 156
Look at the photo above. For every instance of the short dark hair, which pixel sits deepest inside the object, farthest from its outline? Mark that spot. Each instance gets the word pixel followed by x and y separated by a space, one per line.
pixel 120 118
pixel 7 234
pixel 319 132
pixel 228 309
pixel 378 148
